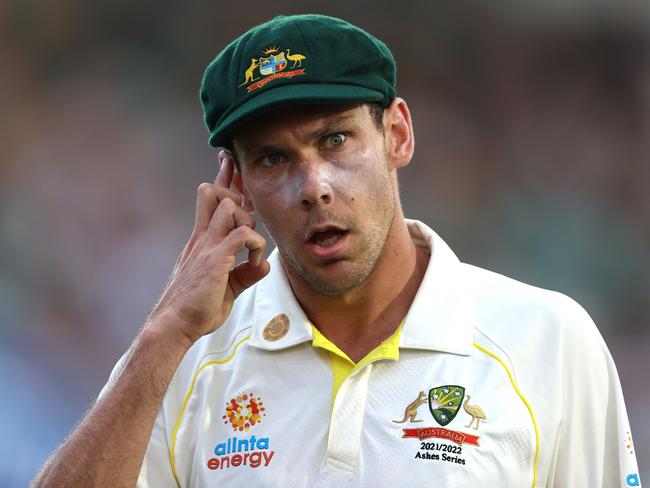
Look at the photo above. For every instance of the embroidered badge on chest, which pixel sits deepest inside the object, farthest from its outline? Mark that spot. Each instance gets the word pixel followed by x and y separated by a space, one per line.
pixel 444 404
pixel 243 412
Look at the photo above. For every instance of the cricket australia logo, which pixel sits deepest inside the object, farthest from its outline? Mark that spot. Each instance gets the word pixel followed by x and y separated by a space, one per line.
pixel 440 444
pixel 271 66
pixel 444 402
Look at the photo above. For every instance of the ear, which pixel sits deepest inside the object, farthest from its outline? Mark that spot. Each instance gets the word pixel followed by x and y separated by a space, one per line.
pixel 398 133
pixel 238 186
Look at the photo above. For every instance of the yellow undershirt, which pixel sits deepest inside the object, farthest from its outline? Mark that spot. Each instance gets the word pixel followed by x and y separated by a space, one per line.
pixel 343 366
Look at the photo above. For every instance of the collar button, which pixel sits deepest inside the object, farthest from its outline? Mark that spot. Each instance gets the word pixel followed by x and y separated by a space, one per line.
pixel 277 328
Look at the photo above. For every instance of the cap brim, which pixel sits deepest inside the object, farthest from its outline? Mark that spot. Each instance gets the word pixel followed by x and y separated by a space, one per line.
pixel 296 93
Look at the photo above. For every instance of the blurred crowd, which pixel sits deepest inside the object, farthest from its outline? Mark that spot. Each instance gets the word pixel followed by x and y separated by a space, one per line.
pixel 532 129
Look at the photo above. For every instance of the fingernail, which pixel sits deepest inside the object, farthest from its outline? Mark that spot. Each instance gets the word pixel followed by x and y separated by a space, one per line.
pixel 222 154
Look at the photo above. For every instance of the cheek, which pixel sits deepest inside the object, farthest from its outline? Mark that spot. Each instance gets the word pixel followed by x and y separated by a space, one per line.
pixel 354 177
pixel 371 180
pixel 264 193
pixel 270 206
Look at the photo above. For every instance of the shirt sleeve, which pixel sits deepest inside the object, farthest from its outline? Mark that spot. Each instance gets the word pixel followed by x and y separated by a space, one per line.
pixel 594 446
pixel 156 468
pixel 111 379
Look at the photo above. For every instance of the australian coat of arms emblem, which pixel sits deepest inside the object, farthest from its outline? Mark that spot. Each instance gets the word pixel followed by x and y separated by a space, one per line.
pixel 271 66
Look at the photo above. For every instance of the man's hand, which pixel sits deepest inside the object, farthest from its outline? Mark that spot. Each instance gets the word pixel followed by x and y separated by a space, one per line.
pixel 205 281
pixel 196 300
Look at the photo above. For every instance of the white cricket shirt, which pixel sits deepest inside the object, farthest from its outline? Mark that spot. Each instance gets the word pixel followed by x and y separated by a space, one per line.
pixel 495 384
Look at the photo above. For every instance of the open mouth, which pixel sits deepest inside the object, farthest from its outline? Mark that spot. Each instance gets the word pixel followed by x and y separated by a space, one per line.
pixel 326 242
pixel 327 238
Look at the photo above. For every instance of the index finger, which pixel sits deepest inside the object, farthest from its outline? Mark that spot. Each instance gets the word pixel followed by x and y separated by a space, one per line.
pixel 224 176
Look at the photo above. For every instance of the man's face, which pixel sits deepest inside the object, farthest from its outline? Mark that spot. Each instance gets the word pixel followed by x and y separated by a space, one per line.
pixel 319 177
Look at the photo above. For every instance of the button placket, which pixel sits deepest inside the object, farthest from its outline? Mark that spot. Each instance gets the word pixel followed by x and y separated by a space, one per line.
pixel 344 440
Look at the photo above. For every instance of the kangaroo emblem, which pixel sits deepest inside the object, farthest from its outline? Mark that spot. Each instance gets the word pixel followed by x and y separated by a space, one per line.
pixel 250 72
pixel 412 409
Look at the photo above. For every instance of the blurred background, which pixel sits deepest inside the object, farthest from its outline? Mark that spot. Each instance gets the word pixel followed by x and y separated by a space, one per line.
pixel 532 124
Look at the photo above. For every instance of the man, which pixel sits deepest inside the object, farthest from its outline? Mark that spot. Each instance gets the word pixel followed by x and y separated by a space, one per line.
pixel 362 353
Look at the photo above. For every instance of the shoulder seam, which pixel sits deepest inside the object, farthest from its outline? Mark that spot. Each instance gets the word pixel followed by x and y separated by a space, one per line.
pixel 230 346
pixel 528 406
pixel 501 349
pixel 187 396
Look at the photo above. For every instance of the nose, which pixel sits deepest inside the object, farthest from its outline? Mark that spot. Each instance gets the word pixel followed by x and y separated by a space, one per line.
pixel 315 187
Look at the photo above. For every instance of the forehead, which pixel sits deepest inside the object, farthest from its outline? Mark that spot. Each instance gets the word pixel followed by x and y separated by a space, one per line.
pixel 296 118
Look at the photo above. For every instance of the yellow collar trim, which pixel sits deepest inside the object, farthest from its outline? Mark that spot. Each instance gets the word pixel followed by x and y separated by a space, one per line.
pixel 389 349
pixel 343 366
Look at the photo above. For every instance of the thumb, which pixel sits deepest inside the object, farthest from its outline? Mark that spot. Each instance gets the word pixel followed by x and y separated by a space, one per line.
pixel 246 275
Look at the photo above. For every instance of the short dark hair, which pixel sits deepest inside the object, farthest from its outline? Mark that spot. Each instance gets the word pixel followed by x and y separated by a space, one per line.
pixel 376 112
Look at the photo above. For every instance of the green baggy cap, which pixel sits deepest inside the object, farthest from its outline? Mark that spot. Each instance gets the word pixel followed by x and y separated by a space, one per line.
pixel 298 58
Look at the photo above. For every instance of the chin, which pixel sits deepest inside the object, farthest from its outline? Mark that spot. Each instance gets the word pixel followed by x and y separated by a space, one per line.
pixel 331 288
pixel 333 278
pixel 336 282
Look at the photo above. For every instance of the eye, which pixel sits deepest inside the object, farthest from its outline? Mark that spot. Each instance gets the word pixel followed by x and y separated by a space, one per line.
pixel 335 140
pixel 272 159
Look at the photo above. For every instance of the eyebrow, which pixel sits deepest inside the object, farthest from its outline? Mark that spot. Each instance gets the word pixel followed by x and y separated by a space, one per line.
pixel 331 125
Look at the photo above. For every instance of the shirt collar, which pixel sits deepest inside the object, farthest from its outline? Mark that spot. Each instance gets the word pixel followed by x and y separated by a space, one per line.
pixel 273 297
pixel 441 317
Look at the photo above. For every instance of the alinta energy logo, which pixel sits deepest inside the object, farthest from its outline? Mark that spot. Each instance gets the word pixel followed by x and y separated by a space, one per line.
pixel 242 412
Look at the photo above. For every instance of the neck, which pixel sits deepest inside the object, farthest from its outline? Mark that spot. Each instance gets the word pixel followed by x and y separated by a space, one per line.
pixel 360 319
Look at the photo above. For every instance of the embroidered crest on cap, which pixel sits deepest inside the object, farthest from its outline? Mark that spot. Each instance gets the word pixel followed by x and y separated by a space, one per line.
pixel 271 66
pixel 277 328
